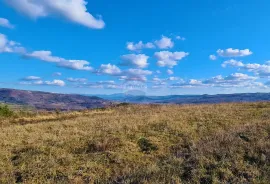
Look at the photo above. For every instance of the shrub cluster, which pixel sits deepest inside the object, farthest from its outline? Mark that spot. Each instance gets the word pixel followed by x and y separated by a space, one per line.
pixel 5 111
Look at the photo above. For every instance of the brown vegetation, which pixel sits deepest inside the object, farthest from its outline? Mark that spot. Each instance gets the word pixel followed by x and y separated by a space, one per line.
pixel 222 143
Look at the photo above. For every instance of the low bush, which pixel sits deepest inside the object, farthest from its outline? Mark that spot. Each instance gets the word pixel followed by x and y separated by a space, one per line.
pixel 5 111
pixel 145 145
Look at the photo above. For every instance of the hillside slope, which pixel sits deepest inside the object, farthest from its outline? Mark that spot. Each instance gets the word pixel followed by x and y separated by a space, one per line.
pixel 51 101
pixel 190 99
pixel 221 143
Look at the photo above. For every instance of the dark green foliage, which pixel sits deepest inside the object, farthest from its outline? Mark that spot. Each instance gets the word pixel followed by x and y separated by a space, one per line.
pixel 5 111
pixel 145 145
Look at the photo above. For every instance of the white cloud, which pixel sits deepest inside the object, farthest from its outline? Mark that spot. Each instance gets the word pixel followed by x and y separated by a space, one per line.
pixel 159 81
pixel 169 72
pixel 106 82
pixel 135 72
pixel 230 52
pixel 30 78
pixel 57 74
pixel 180 38
pixel 233 63
pixel 40 82
pixel 61 62
pixel 158 72
pixel 169 59
pixel 135 75
pixel 239 76
pixel 10 46
pixel 55 83
pixel 14 47
pixel 72 10
pixel 139 46
pixel 187 84
pixel 76 65
pixel 3 43
pixel 76 79
pixel 213 57
pixel 235 80
pixel 164 43
pixel 173 78
pixel 113 86
pixel 5 23
pixel 109 69
pixel 45 56
pixel 128 75
pixel 261 70
pixel 139 60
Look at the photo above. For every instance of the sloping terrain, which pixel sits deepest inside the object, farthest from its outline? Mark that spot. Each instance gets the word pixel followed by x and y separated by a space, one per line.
pixel 190 99
pixel 51 101
pixel 217 143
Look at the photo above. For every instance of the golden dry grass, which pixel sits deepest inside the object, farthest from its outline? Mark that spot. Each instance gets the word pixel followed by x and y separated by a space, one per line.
pixel 222 143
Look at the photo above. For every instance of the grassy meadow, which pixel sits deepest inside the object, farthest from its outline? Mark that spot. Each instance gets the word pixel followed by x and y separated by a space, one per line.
pixel 220 143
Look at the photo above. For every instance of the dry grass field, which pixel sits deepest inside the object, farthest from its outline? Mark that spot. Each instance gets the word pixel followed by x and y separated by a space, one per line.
pixel 221 143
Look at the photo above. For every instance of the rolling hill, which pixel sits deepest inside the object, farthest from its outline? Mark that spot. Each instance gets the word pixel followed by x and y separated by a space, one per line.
pixel 51 101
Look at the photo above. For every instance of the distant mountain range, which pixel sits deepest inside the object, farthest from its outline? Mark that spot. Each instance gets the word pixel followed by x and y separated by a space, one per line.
pixel 189 99
pixel 51 101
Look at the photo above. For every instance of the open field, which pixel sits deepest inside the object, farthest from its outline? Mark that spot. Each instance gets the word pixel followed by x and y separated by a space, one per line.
pixel 221 143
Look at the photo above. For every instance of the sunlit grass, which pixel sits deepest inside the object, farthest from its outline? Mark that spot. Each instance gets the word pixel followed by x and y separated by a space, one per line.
pixel 222 143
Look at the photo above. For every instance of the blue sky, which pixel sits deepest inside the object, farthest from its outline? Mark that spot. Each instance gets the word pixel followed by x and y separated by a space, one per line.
pixel 158 47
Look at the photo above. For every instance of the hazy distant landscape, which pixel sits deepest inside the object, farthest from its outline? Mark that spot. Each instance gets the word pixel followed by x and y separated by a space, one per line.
pixel 188 99
pixel 55 101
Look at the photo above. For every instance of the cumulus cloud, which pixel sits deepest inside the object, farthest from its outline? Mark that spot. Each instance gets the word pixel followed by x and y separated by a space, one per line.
pixel 55 83
pixel 135 75
pixel 169 59
pixel 139 46
pixel 261 70
pixel 10 46
pixel 139 60
pixel 160 81
pixel 213 57
pixel 5 23
pixel 100 84
pixel 76 65
pixel 233 63
pixel 235 80
pixel 40 82
pixel 230 52
pixel 61 62
pixel 109 69
pixel 164 43
pixel 72 10
pixel 187 84
pixel 44 55
pixel 127 75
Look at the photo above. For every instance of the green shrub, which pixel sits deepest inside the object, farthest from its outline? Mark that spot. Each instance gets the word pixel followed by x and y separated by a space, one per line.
pixel 5 111
pixel 145 145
